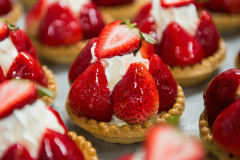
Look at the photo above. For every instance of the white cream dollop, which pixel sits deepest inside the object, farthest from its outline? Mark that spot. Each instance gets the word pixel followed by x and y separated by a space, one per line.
pixel 185 16
pixel 27 127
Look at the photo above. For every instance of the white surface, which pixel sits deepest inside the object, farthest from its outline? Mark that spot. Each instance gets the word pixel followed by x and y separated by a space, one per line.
pixel 188 122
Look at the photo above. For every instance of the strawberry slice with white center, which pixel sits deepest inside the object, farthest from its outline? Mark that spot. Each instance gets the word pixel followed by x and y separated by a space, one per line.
pixel 175 3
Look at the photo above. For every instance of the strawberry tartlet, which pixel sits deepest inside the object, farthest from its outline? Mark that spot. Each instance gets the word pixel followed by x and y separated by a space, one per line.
pixel 167 143
pixel 10 11
pixel 28 3
pixel 59 29
pixel 120 87
pixel 225 13
pixel 219 123
pixel 32 131
pixel 237 61
pixel 120 9
pixel 18 59
pixel 190 46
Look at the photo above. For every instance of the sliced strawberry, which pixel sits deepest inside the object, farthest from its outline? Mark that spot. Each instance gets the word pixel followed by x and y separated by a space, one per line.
pixel 126 157
pixel 147 25
pixel 107 3
pixel 166 142
pixel 23 43
pixel 4 31
pixel 91 21
pixel 2 76
pixel 175 3
pixel 135 98
pixel 5 7
pixel 143 13
pixel 16 152
pixel 15 94
pixel 207 34
pixel 89 95
pixel 117 39
pixel 82 62
pixel 165 82
pixel 59 27
pixel 146 49
pixel 24 66
pixel 177 48
pixel 56 146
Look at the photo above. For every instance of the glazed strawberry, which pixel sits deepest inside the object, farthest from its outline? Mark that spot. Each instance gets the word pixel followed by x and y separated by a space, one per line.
pixel 24 66
pixel 56 29
pixel 12 98
pixel 226 129
pixel 143 13
pixel 227 6
pixel 23 43
pixel 221 92
pixel 4 31
pixel 82 62
pixel 17 152
pixel 135 98
pixel 116 39
pixel 5 7
pixel 56 146
pixel 107 3
pixel 146 49
pixel 147 25
pixel 175 3
pixel 207 34
pixel 2 76
pixel 177 48
pixel 89 95
pixel 165 82
pixel 126 157
pixel 199 4
pixel 92 25
pixel 165 142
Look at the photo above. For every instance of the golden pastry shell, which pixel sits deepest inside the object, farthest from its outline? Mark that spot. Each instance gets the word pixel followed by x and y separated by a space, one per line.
pixel 16 12
pixel 237 63
pixel 126 134
pixel 192 75
pixel 28 3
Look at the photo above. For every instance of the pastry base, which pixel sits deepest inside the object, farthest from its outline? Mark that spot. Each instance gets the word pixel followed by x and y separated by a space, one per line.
pixel 206 136
pixel 14 14
pixel 192 75
pixel 128 11
pixel 126 134
pixel 28 3
pixel 52 86
pixel 237 63
pixel 64 54
pixel 89 152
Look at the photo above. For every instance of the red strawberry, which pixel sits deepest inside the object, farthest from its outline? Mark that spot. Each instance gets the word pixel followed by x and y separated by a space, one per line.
pixel 91 21
pixel 146 49
pixel 107 3
pixel 221 92
pixel 166 142
pixel 165 82
pixel 175 3
pixel 177 48
pixel 23 43
pixel 82 62
pixel 117 39
pixel 199 5
pixel 147 25
pixel 126 157
pixel 59 27
pixel 207 34
pixel 24 66
pixel 17 152
pixel 5 7
pixel 89 95
pixel 143 13
pixel 135 98
pixel 227 6
pixel 56 146
pixel 4 31
pixel 2 76
pixel 15 94
pixel 226 129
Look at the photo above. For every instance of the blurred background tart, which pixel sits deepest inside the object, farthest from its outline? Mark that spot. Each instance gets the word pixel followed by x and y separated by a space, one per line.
pixel 237 61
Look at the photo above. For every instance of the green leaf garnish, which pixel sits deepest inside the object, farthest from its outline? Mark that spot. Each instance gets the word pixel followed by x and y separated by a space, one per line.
pixel 149 38
pixel 42 91
pixel 12 27
pixel 173 119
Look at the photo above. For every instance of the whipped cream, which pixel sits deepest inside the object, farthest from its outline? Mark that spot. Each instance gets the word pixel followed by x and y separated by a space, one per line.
pixel 185 16
pixel 27 127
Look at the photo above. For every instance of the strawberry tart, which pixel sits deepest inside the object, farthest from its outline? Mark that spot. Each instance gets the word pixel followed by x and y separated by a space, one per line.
pixel 167 143
pixel 190 46
pixel 28 3
pixel 225 13
pixel 30 130
pixel 10 11
pixel 59 29
pixel 18 59
pixel 220 123
pixel 120 9
pixel 120 87
pixel 237 61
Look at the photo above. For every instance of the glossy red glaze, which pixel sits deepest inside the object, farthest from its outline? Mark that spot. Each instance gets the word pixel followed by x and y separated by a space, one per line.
pixel 175 3
pixel 147 25
pixel 227 6
pixel 4 32
pixel 143 13
pixel 89 95
pixel 108 3
pixel 2 76
pixel 5 7
pixel 146 50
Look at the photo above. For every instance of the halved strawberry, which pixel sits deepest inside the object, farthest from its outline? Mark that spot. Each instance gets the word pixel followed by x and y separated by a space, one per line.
pixel 89 95
pixel 16 152
pixel 146 49
pixel 135 98
pixel 15 94
pixel 175 3
pixel 82 62
pixel 59 27
pixel 143 13
pixel 2 76
pixel 4 31
pixel 24 66
pixel 167 143
pixel 5 7
pixel 207 34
